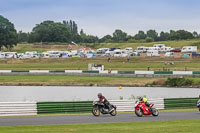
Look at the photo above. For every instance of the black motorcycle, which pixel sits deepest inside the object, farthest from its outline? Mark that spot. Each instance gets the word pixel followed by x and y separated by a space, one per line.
pixel 198 104
pixel 99 107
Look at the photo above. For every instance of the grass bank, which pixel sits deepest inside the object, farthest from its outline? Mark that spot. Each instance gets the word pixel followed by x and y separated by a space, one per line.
pixel 66 80
pixel 75 80
pixel 183 126
pixel 135 63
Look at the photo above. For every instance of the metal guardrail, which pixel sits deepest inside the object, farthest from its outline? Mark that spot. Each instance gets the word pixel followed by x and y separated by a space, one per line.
pixel 18 108
pixel 33 108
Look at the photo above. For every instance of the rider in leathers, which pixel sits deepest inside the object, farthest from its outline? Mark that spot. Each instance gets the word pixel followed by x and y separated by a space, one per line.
pixel 105 101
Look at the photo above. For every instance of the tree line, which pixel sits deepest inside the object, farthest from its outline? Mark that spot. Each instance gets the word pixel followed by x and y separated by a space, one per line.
pixel 67 32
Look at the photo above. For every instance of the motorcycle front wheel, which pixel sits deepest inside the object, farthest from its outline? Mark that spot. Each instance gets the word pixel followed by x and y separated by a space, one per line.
pixel 139 112
pixel 95 111
pixel 113 113
pixel 155 112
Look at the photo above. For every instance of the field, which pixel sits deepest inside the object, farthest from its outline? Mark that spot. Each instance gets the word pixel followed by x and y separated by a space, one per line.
pixel 135 63
pixel 84 80
pixel 184 126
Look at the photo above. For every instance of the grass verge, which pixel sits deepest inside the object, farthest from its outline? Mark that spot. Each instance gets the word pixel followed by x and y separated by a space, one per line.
pixel 68 80
pixel 183 126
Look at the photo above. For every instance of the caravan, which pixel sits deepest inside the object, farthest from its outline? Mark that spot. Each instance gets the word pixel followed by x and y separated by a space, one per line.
pixel 153 53
pixel 117 53
pixel 189 49
pixel 141 49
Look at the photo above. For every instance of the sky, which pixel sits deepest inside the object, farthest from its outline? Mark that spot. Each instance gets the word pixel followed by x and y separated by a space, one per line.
pixel 102 17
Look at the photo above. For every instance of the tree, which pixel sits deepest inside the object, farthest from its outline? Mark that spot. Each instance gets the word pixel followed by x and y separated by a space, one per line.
pixel 119 36
pixel 8 34
pixel 164 36
pixel 73 30
pixel 106 38
pixel 22 37
pixel 50 31
pixel 180 35
pixel 140 36
pixel 152 34
pixel 195 34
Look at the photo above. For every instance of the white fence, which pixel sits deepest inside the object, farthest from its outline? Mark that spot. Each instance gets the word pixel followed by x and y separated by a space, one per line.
pixel 128 105
pixel 18 108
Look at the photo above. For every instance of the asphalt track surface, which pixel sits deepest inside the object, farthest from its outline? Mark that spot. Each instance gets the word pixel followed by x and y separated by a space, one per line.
pixel 89 119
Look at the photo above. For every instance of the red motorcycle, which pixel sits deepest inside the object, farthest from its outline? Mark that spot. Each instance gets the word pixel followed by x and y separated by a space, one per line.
pixel 141 109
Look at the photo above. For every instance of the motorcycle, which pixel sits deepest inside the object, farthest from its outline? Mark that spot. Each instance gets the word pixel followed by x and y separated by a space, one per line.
pixel 141 109
pixel 101 108
pixel 198 104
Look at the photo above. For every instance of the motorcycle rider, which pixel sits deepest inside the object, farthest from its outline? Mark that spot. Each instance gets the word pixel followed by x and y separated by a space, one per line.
pixel 104 101
pixel 144 99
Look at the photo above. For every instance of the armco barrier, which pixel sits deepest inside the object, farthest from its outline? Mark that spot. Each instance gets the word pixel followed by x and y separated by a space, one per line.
pixel 126 72
pixel 64 107
pixel 56 71
pixel 182 72
pixel 86 106
pixel 144 72
pixel 20 71
pixel 90 71
pixel 18 108
pixel 196 72
pixel 180 103
pixel 163 72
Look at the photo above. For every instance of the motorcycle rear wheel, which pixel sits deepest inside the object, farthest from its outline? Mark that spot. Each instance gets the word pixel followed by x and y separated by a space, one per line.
pixel 139 112
pixel 155 112
pixel 113 113
pixel 95 111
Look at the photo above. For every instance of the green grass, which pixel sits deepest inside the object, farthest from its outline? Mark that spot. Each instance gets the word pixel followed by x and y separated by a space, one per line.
pixel 83 80
pixel 183 126
pixel 174 44
pixel 115 64
pixel 74 80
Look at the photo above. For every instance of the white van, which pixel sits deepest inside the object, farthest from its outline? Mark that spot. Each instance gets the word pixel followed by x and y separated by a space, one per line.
pixel 169 54
pixel 189 49
pixel 141 49
pixel 153 53
pixel 159 45
pixel 129 49
pixel 117 53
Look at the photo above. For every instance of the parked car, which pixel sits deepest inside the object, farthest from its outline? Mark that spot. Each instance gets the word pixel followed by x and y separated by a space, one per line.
pixel 169 54
pixel 175 50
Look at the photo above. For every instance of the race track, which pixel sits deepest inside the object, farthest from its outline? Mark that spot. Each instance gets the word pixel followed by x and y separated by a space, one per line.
pixel 87 119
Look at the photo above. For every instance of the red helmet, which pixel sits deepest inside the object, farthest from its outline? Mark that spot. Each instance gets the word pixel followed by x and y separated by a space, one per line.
pixel 99 95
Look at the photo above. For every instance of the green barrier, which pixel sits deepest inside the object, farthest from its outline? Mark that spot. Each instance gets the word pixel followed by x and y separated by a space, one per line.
pixel 90 71
pixel 126 72
pixel 163 72
pixel 180 103
pixel 196 72
pixel 64 107
pixel 56 71
pixel 20 71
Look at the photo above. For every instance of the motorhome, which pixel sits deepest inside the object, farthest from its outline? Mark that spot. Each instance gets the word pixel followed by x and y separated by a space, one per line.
pixel 141 49
pixel 9 54
pixel 189 49
pixel 129 50
pixel 117 53
pixel 159 45
pixel 169 54
pixel 165 49
pixel 153 53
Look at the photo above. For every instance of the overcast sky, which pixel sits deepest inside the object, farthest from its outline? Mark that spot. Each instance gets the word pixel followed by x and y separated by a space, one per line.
pixel 102 17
